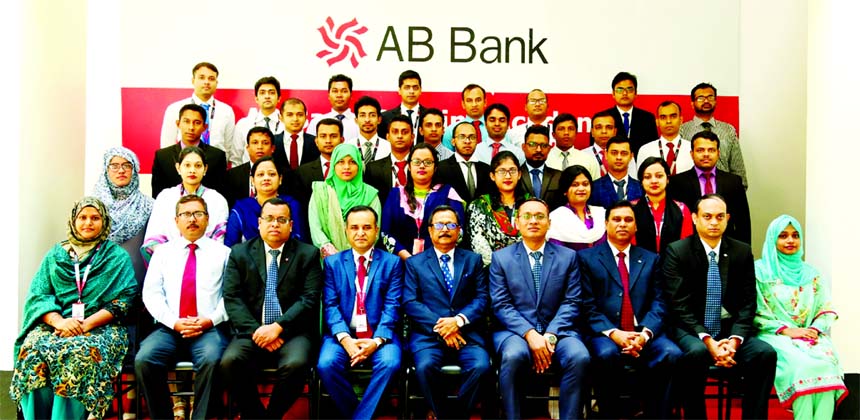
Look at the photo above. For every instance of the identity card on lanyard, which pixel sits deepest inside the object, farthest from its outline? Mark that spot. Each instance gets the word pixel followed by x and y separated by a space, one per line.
pixel 78 308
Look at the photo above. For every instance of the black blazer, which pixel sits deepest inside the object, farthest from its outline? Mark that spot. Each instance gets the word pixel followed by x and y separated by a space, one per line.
pixel 685 188
pixel 685 269
pixel 642 130
pixel 309 150
pixel 237 183
pixel 646 231
pixel 377 174
pixel 306 175
pixel 550 191
pixel 164 174
pixel 389 115
pixel 299 286
pixel 450 173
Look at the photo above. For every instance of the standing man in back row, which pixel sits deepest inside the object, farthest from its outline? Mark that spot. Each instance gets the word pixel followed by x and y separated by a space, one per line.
pixel 409 88
pixel 474 101
pixel 339 95
pixel 634 123
pixel 267 93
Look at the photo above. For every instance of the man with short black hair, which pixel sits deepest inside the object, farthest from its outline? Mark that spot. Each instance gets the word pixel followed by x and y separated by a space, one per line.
pixel 634 123
pixel 339 94
pixel 329 136
pixel 389 172
pixel 497 117
pixel 238 180
pixel 474 101
pixel 670 147
pixel 294 147
pixel 371 145
pixel 267 93
pixel 409 89
pixel 431 128
pixel 563 155
pixel 617 184
pixel 540 180
pixel 465 175
pixel 536 109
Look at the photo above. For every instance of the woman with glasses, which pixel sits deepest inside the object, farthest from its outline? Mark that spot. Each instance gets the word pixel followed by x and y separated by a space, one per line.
pixel 491 216
pixel 242 224
pixel 331 199
pixel 162 224
pixel 407 209
pixel 659 221
pixel 576 225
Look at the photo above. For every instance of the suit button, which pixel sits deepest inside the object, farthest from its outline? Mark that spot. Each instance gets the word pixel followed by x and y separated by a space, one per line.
pixel 618 314
pixel 620 294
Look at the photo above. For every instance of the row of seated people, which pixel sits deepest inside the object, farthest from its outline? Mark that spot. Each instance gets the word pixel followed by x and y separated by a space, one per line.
pixel 702 302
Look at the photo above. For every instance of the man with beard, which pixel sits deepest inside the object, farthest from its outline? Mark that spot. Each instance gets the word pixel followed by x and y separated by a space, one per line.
pixel 467 176
pixel 539 180
pixel 369 142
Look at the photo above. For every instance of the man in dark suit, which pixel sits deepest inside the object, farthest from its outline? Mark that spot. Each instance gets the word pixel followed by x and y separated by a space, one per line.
pixel 712 287
pixel 329 135
pixel 447 310
pixel 271 294
pixel 294 147
pixel 238 180
pixel 191 125
pixel 637 124
pixel 452 171
pixel 617 184
pixel 389 172
pixel 625 310
pixel 361 325
pixel 409 89
pixel 535 288
pixel 540 180
pixel 687 187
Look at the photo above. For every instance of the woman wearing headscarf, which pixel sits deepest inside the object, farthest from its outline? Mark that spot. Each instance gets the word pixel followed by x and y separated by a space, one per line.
pixel 71 345
pixel 794 316
pixel 118 188
pixel 342 190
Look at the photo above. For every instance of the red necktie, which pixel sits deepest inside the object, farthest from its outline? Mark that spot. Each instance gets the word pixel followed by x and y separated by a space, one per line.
pixel 496 147
pixel 360 296
pixel 188 296
pixel 708 188
pixel 626 305
pixel 294 152
pixel 477 124
pixel 325 172
pixel 670 158
pixel 401 172
pixel 604 165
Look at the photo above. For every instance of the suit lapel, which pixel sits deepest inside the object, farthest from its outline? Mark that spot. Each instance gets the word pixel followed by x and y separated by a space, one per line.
pixel 635 265
pixel 526 178
pixel 375 262
pixel 608 261
pixel 258 256
pixel 286 260
pixel 546 268
pixel 724 264
pixel 548 178
pixel 433 265
pixel 351 272
pixel 522 257
pixel 459 264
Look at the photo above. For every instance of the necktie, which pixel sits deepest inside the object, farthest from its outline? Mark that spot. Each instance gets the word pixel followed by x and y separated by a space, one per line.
pixel 536 273
pixel 409 113
pixel 626 124
pixel 271 304
pixel 360 296
pixel 294 151
pixel 670 157
pixel 564 161
pixel 401 172
pixel 325 171
pixel 267 119
pixel 340 117
pixel 188 296
pixel 470 179
pixel 368 152
pixel 714 297
pixel 446 273
pixel 708 188
pixel 496 147
pixel 619 188
pixel 603 165
pixel 205 136
pixel 536 183
pixel 706 126
pixel 477 124
pixel 626 304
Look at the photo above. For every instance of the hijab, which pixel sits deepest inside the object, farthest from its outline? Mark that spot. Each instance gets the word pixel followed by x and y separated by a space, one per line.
pixel 128 207
pixel 80 245
pixel 350 193
pixel 774 265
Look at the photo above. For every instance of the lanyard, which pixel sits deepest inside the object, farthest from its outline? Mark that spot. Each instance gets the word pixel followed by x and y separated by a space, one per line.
pixel 211 111
pixel 677 151
pixel 360 293
pixel 81 283
pixel 375 147
pixel 657 225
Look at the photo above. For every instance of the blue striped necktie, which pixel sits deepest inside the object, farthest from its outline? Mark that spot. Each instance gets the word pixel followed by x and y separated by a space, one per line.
pixel 714 296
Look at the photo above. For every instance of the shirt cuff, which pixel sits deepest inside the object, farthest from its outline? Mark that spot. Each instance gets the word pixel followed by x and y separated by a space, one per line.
pixel 609 331
pixel 647 334
pixel 341 336
pixel 462 320
pixel 702 336
pixel 379 341
pixel 741 339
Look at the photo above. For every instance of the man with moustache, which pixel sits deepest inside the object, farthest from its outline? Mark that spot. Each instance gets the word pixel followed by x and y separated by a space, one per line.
pixel 563 155
pixel 329 135
pixel 670 147
pixel 473 102
pixel 369 142
pixel 387 173
pixel 294 147
pixel 497 116
pixel 339 95
pixel 431 127
pixel 267 93
pixel 617 184
pixel 540 180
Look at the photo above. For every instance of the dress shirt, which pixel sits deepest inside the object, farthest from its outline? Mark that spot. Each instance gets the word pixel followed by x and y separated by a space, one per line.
pixel 683 158
pixel 626 183
pixel 731 159
pixel 594 152
pixel 444 152
pixel 517 135
pixel 382 147
pixel 484 151
pixel 255 118
pixel 529 170
pixel 162 286
pixel 267 248
pixel 394 160
pixel 529 254
pixel 368 257
pixel 461 162
pixel 626 252
pixel 713 180
pixel 350 127
pixel 300 143
pixel 404 108
pixel 450 265
pixel 554 160
pixel 221 125
pixel 723 312
pixel 449 132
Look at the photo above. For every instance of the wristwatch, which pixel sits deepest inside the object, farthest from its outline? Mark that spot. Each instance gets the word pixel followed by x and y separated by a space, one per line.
pixel 551 338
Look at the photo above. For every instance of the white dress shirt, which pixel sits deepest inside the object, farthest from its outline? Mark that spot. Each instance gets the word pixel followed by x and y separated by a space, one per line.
pixel 554 160
pixel 221 125
pixel 381 147
pixel 517 135
pixel 350 127
pixel 484 151
pixel 594 152
pixel 255 118
pixel 683 158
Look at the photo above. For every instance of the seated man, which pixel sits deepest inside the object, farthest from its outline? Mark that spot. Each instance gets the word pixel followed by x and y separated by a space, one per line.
pixel 361 302
pixel 182 292
pixel 537 308
pixel 275 319
pixel 623 293
pixel 446 299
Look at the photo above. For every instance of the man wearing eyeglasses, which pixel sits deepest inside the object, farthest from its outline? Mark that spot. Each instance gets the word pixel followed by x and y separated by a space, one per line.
pixel 540 180
pixel 497 117
pixel 470 178
pixel 535 290
pixel 703 99
pixel 536 109
pixel 637 124
pixel 446 298
pixel 182 292
pixel 474 102
pixel 271 293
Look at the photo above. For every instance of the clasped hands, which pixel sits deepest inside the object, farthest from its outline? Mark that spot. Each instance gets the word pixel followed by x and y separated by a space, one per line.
pixel 806 334
pixel 448 329
pixel 358 349
pixel 723 351
pixel 268 337
pixel 192 326
pixel 631 342
pixel 70 327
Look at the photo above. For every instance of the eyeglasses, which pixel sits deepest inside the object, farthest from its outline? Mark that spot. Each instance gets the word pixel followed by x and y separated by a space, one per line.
pixel 463 137
pixel 419 162
pixel 537 101
pixel 444 226
pixel 510 172
pixel 702 98
pixel 187 215
pixel 539 217
pixel 281 219
pixel 536 145
pixel 125 166
pixel 629 89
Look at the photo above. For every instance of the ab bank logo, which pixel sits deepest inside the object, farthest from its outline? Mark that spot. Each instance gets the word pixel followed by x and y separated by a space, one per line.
pixel 341 42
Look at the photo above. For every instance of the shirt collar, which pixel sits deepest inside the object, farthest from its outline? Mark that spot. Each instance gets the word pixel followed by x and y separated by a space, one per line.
pixel 529 250
pixel 368 256
pixel 439 254
pixel 615 250
pixel 708 248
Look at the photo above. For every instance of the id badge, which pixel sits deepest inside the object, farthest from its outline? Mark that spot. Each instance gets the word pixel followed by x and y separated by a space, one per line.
pixel 361 323
pixel 417 246
pixel 78 311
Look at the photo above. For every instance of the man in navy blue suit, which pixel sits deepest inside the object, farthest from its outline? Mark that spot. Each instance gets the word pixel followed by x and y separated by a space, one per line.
pixel 446 299
pixel 617 184
pixel 622 293
pixel 535 289
pixel 361 302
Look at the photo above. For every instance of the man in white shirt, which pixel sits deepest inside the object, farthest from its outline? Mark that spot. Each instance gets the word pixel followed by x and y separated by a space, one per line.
pixel 497 117
pixel 267 93
pixel 473 102
pixel 371 145
pixel 670 147
pixel 563 155
pixel 220 119
pixel 536 108
pixel 431 127
pixel 409 89
pixel 182 292
pixel 339 94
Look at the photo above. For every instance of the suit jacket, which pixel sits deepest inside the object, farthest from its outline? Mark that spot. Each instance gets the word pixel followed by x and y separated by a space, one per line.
pixel 642 130
pixel 306 175
pixel 685 268
pixel 450 172
pixel 685 188
pixel 237 183
pixel 377 174
pixel 299 285
pixel 389 115
pixel 281 154
pixel 518 306
pixel 426 298
pixel 602 291
pixel 603 191
pixel 382 302
pixel 164 174
pixel 550 190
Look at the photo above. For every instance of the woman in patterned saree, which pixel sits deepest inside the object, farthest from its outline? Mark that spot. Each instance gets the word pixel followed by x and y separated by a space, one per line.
pixel 71 345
